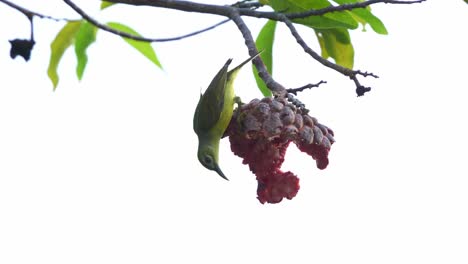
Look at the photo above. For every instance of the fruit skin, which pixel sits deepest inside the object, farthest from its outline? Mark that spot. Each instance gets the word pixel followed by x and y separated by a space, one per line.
pixel 260 133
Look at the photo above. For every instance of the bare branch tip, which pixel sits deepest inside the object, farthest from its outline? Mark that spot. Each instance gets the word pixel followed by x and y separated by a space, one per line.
pixel 365 74
pixel 295 91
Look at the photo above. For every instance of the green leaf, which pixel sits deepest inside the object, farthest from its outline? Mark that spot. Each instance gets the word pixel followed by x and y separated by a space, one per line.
pixel 264 43
pixel 329 20
pixel 365 16
pixel 375 23
pixel 59 45
pixel 336 43
pixel 144 48
pixel 85 36
pixel 105 4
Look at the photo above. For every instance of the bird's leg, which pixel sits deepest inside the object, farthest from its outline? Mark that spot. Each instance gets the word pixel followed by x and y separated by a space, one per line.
pixel 238 101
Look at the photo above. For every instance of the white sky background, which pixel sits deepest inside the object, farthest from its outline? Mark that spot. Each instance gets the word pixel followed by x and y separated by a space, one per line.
pixel 105 170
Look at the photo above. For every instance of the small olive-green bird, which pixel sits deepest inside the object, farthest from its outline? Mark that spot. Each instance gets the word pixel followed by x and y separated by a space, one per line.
pixel 213 114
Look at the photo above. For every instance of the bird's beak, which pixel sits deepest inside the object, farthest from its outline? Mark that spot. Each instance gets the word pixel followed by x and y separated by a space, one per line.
pixel 218 170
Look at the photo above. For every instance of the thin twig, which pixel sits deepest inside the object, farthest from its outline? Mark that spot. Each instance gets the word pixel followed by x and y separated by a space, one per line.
pixel 365 74
pixel 190 34
pixel 302 88
pixel 30 13
pixel 31 23
pixel 132 36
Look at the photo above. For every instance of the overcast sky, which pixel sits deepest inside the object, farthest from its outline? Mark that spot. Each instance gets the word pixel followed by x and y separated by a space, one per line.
pixel 105 170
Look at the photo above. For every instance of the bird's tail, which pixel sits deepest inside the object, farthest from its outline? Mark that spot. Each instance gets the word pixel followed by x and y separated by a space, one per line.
pixel 234 71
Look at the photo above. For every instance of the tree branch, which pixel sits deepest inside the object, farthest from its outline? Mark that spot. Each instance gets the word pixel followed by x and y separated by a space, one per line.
pixel 225 10
pixel 343 70
pixel 30 13
pixel 344 7
pixel 311 52
pixel 275 87
pixel 104 27
pixel 235 14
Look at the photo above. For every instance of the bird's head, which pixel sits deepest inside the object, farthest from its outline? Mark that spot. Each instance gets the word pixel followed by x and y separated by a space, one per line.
pixel 209 159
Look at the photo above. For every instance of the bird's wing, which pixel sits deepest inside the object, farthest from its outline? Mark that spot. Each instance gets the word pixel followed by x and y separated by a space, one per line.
pixel 211 103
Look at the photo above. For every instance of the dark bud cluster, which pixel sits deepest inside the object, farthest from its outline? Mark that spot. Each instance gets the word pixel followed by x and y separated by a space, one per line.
pixel 21 47
pixel 261 131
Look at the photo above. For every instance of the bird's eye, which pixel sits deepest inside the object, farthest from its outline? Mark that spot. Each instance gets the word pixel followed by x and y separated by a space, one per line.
pixel 208 160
